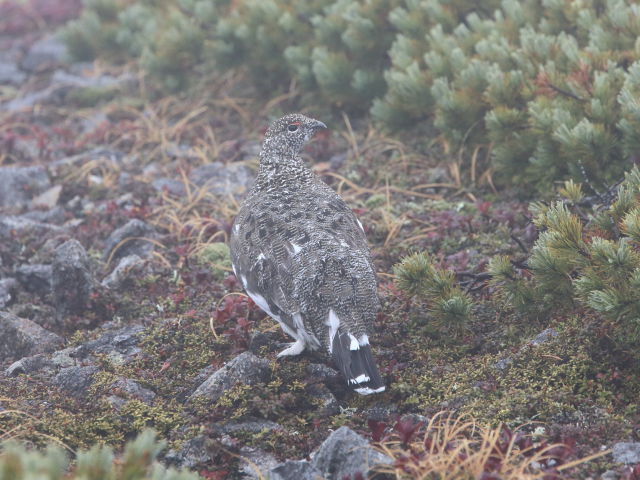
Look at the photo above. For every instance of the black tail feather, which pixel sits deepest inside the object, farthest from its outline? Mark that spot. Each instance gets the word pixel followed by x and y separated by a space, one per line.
pixel 357 365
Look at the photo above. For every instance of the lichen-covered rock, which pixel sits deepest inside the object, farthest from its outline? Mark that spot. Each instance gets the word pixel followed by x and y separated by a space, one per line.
pixel 254 462
pixel 626 452
pixel 126 267
pixel 75 381
pixel 7 286
pixel 344 452
pixel 47 53
pixel 36 278
pixel 128 388
pixel 246 368
pixel 20 337
pixel 119 346
pixel 27 365
pixel 71 281
pixel 221 179
pixel 21 184
pixel 295 470
pixel 12 227
pixel 194 452
pixel 129 240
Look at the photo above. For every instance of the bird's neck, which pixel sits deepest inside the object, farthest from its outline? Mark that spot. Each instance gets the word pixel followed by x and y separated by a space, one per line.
pixel 283 168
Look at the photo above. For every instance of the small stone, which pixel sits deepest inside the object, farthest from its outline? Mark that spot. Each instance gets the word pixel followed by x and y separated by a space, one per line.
pixel 27 365
pixel 48 198
pixel 253 426
pixel 21 184
pixel 246 368
pixel 75 380
pixel 46 54
pixel 7 287
pixel 72 282
pixel 172 186
pixel 544 337
pixel 610 475
pixel 35 278
pixel 626 452
pixel 254 462
pixel 126 267
pixel 120 346
pixel 345 453
pixel 12 227
pixel 132 389
pixel 130 239
pixel 195 451
pixel 10 74
pixel 294 470
pixel 224 180
pixel 320 371
pixel 20 337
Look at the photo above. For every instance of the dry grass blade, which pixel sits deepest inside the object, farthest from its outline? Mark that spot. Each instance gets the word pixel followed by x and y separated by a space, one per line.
pixel 454 448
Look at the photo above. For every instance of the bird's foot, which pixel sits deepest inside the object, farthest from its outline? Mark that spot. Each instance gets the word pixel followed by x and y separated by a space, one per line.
pixel 294 348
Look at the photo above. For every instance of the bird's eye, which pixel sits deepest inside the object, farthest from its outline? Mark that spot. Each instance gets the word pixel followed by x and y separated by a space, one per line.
pixel 292 127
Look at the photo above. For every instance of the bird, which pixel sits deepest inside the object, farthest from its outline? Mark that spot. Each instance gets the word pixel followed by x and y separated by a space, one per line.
pixel 302 256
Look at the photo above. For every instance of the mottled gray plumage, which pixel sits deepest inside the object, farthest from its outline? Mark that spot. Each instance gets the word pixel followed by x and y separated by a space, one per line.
pixel 302 256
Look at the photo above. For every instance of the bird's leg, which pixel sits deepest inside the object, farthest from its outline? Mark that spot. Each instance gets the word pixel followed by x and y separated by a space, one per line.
pixel 294 348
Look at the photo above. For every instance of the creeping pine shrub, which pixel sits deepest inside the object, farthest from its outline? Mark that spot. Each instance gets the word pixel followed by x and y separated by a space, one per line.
pixel 543 89
pixel 592 258
pixel 138 462
pixel 447 303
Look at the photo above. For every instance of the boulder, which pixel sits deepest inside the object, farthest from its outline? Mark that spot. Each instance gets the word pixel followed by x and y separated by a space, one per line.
pixel 71 280
pixel 20 337
pixel 129 240
pixel 345 453
pixel 246 368
pixel 21 184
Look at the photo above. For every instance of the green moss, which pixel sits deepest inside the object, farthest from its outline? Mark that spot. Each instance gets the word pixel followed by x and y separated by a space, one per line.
pixel 216 256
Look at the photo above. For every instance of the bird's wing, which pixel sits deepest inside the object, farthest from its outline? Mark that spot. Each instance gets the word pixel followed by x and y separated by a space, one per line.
pixel 292 261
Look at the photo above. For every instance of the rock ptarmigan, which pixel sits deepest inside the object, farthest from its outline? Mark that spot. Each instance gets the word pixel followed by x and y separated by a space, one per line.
pixel 302 256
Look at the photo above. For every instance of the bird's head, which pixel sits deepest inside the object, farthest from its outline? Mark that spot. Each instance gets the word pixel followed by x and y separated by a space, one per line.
pixel 288 135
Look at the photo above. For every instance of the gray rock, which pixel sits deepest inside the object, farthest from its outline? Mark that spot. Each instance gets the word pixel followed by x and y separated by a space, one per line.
pixel 35 278
pixel 254 462
pixel 128 240
pixel 12 227
pixel 10 74
pixel 295 470
pixel 62 84
pixel 320 371
pixel 128 388
pixel 253 426
pixel 196 451
pixel 71 281
pixel 7 287
pixel 21 184
pixel 47 53
pixel 171 185
pixel 246 368
pixel 47 199
pixel 221 179
pixel 75 380
pixel 55 215
pixel 20 337
pixel 123 271
pixel 345 452
pixel 120 346
pixel 27 365
pixel 626 452
pixel 610 475
pixel 544 337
